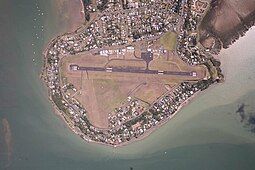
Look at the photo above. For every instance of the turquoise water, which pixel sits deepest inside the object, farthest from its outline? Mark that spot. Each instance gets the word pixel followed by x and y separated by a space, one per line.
pixel 207 134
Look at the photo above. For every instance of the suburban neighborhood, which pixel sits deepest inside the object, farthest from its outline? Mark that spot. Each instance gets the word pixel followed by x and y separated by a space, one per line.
pixel 126 40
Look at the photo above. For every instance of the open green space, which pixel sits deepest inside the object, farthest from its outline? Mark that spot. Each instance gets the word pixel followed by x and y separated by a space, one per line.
pixel 168 40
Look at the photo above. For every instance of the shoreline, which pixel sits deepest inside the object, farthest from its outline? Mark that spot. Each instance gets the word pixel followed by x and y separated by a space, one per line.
pixel 149 132
pixel 224 38
pixel 57 35
pixel 71 127
pixel 77 131
pixel 155 128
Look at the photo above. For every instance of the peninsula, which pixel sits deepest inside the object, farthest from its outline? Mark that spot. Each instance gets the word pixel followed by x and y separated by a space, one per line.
pixel 132 65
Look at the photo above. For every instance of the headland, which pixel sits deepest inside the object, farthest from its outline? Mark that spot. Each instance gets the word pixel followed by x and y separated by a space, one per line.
pixel 129 68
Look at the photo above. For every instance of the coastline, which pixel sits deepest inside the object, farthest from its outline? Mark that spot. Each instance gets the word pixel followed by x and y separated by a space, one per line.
pixel 164 122
pixel 70 126
pixel 69 27
pixel 141 137
pixel 76 22
pixel 203 134
pixel 224 37
pixel 241 34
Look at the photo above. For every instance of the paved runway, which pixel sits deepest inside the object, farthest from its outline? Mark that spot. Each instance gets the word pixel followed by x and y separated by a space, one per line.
pixel 130 70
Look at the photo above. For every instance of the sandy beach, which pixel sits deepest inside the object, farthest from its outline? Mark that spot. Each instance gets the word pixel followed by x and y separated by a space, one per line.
pixel 8 140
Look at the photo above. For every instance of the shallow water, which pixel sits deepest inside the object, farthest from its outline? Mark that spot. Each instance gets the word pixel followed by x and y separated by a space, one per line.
pixel 207 134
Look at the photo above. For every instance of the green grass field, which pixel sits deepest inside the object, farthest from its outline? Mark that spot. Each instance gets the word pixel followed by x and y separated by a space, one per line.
pixel 168 40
